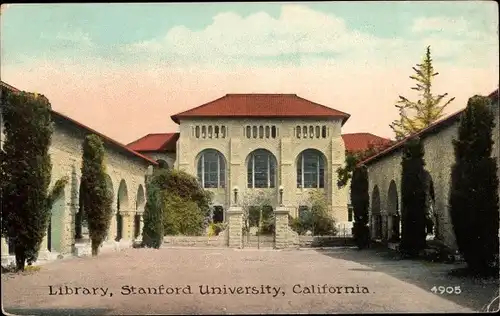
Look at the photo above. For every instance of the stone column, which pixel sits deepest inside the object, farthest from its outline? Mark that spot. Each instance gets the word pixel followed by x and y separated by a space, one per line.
pixel 235 227
pixel 390 226
pixel 5 248
pixel 112 228
pixel 43 254
pixel 127 232
pixel 141 225
pixel 281 227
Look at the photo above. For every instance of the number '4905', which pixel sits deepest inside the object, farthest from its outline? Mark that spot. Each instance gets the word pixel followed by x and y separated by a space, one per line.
pixel 447 289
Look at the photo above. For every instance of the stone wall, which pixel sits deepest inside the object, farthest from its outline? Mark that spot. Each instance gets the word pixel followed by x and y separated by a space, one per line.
pixel 439 158
pixel 195 241
pixel 126 173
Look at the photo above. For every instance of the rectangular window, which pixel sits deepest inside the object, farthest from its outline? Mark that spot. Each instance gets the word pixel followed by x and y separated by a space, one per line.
pixel 317 132
pixel 304 131
pixel 203 131
pixel 311 131
pixel 261 131
pixel 273 132
pixel 249 131
pixel 216 131
pixel 267 132
pixel 254 131
pixel 323 132
pixel 223 132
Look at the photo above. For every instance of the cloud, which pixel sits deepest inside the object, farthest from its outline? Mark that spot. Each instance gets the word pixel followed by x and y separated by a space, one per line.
pixel 440 23
pixel 77 37
pixel 301 33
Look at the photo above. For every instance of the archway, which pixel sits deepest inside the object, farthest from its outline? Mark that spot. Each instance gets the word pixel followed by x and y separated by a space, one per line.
pixel 261 169
pixel 162 164
pixel 139 206
pixel 121 205
pixel 55 225
pixel 310 167
pixel 376 214
pixel 394 217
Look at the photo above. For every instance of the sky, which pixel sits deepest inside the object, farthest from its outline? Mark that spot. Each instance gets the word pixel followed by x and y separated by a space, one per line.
pixel 124 69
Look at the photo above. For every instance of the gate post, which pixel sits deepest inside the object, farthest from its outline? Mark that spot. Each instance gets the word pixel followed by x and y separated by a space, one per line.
pixel 235 227
pixel 281 227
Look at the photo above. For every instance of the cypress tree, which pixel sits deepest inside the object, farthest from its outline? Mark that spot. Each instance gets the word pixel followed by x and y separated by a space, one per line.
pixel 153 230
pixel 360 200
pixel 26 173
pixel 474 192
pixel 413 187
pixel 96 197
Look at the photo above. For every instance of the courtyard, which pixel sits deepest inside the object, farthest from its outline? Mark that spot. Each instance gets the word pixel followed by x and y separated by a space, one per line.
pixel 227 281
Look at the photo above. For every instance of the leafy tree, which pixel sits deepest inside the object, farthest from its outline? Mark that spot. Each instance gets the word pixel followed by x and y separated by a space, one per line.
pixel 188 188
pixel 474 193
pixel 96 197
pixel 252 204
pixel 26 173
pixel 344 174
pixel 413 187
pixel 360 200
pixel 181 216
pixel 415 116
pixel 317 218
pixel 153 229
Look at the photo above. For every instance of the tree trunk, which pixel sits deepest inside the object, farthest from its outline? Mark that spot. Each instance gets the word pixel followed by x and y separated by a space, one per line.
pixel 95 249
pixel 20 258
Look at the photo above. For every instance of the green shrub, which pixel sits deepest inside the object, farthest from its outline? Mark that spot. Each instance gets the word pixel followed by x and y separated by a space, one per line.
pixel 181 216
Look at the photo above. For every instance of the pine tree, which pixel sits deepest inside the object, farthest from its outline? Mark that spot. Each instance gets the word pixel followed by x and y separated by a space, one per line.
pixel 474 193
pixel 96 197
pixel 360 200
pixel 413 187
pixel 415 116
pixel 26 173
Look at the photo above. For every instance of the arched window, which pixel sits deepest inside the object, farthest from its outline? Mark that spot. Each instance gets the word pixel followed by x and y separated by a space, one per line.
pixel 210 128
pixel 216 131
pixel 212 169
pixel 197 132
pixel 317 132
pixel 323 131
pixel 311 131
pixel 249 131
pixel 304 131
pixel 310 169
pixel 203 131
pixel 254 131
pixel 261 131
pixel 261 169
pixel 223 132
pixel 274 132
pixel 298 130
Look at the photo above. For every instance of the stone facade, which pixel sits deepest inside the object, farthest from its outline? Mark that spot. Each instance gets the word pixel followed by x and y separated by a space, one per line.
pixel 126 172
pixel 286 147
pixel 385 179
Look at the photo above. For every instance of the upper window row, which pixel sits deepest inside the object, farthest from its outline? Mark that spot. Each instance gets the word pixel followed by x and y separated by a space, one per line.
pixel 210 131
pixel 261 131
pixel 311 131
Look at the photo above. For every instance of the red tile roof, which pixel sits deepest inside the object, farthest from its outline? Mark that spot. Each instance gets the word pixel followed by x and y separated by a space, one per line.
pixel 261 105
pixel 361 141
pixel 90 130
pixel 436 126
pixel 155 142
